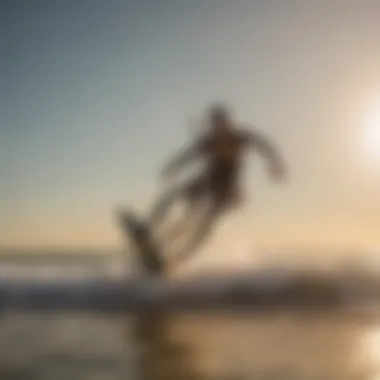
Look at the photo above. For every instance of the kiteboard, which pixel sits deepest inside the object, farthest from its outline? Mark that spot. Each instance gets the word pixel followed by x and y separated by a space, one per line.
pixel 145 245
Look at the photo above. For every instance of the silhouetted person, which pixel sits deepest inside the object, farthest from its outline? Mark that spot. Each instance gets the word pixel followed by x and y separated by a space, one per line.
pixel 222 150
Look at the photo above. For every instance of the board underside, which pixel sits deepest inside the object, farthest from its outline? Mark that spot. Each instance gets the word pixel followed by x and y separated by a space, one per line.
pixel 146 248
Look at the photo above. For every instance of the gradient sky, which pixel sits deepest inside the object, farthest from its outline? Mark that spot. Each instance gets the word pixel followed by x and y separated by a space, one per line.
pixel 95 94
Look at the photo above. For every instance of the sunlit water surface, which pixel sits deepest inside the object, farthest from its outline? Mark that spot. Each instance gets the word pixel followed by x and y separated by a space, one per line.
pixel 208 346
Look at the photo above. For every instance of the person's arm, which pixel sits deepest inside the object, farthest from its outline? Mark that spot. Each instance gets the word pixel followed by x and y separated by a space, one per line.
pixel 258 141
pixel 180 160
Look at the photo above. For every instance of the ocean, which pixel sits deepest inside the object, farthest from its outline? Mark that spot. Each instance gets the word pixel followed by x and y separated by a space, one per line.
pixel 298 344
pixel 208 346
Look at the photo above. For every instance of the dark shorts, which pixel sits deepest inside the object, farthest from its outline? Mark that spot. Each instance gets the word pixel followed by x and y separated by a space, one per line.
pixel 220 185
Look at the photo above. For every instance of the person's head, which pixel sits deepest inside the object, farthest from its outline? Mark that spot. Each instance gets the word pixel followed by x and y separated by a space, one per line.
pixel 219 117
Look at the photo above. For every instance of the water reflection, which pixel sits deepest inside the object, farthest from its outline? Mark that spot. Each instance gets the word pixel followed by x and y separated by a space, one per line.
pixel 276 346
pixel 190 346
pixel 368 352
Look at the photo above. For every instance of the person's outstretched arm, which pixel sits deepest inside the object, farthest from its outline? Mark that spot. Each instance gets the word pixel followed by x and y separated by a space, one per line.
pixel 269 151
pixel 180 160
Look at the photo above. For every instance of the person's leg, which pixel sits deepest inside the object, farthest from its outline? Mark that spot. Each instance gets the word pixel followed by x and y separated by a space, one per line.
pixel 162 206
pixel 217 186
pixel 202 231
pixel 187 193
pixel 223 192
pixel 191 194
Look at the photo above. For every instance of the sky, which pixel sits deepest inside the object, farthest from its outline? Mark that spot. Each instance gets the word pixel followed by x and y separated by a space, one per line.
pixel 94 95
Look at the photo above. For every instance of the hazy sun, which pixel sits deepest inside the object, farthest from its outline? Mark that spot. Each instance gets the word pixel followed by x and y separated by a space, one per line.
pixel 372 131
